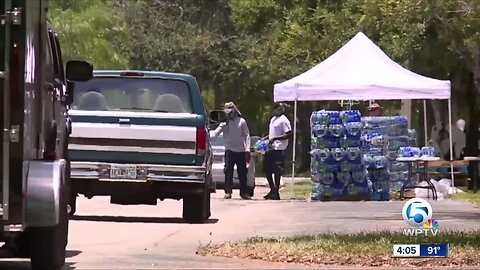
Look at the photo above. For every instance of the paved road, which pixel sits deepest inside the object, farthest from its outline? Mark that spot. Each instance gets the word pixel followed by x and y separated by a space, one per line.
pixel 105 236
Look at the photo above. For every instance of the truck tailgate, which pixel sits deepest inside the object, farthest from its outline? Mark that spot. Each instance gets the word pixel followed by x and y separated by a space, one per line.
pixel 126 137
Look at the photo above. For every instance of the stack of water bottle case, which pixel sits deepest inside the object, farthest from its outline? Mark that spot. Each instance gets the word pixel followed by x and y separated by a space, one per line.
pixel 383 138
pixel 337 166
pixel 353 156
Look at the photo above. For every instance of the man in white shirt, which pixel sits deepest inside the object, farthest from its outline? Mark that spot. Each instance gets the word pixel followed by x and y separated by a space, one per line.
pixel 236 137
pixel 280 131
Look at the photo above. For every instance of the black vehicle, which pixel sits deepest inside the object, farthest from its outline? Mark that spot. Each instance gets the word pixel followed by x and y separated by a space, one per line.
pixel 35 95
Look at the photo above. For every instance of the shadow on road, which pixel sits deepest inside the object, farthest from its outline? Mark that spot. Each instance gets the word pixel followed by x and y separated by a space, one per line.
pixel 72 253
pixel 136 219
pixel 25 265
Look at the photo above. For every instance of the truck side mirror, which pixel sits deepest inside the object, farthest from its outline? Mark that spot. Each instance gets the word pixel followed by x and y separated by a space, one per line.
pixel 218 116
pixel 76 71
pixel 79 71
pixel 69 96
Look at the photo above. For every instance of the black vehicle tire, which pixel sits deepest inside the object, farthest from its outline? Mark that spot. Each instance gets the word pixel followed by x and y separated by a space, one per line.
pixel 47 245
pixel 71 194
pixel 209 212
pixel 196 208
pixel 67 191
pixel 73 204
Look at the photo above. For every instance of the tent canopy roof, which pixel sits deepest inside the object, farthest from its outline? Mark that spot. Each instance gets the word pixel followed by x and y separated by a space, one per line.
pixel 360 70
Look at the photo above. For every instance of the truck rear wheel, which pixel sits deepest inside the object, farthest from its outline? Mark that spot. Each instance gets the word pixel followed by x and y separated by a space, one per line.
pixel 196 208
pixel 48 244
pixel 73 204
pixel 72 194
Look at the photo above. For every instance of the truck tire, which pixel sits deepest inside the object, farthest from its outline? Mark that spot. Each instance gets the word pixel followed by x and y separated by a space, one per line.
pixel 72 194
pixel 196 208
pixel 73 204
pixel 47 245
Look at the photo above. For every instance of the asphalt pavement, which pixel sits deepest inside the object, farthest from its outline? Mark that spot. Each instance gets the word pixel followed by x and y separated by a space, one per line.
pixel 107 236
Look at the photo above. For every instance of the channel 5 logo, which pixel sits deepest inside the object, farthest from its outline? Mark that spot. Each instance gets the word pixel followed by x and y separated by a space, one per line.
pixel 418 214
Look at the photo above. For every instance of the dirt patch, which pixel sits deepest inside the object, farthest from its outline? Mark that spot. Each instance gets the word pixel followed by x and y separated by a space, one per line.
pixel 244 251
pixel 339 251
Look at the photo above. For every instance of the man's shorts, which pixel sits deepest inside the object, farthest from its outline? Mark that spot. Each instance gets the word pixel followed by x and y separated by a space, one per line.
pixel 274 162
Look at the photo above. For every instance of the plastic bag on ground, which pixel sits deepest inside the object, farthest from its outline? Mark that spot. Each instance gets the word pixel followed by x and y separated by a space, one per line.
pixel 422 192
pixel 443 188
pixel 447 183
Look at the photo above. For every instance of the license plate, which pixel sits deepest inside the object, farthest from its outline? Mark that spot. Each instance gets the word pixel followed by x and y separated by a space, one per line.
pixel 123 172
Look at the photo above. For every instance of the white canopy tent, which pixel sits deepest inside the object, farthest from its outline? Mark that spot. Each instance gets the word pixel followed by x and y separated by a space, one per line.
pixel 360 70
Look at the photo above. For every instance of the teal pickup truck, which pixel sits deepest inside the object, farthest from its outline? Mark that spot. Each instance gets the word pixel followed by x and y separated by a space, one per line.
pixel 140 136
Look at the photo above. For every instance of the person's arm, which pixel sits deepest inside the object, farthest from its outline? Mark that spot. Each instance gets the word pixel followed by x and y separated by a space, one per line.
pixel 246 135
pixel 218 130
pixel 285 136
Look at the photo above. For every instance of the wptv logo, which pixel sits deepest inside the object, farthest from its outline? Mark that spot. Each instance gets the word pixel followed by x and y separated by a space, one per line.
pixel 418 213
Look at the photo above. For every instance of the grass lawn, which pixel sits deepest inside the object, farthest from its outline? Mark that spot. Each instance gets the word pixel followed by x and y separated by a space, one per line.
pixel 474 198
pixel 297 191
pixel 369 249
pixel 305 174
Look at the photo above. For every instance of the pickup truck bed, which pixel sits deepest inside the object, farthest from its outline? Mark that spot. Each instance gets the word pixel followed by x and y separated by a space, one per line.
pixel 141 136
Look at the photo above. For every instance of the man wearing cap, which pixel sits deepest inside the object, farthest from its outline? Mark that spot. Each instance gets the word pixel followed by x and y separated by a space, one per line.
pixel 273 162
pixel 375 109
pixel 236 137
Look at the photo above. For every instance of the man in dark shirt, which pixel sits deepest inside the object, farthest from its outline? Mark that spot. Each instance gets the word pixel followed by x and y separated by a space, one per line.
pixel 375 109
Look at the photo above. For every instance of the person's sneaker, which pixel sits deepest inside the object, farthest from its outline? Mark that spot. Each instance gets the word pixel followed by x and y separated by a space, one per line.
pixel 275 196
pixel 266 197
pixel 227 196
pixel 245 196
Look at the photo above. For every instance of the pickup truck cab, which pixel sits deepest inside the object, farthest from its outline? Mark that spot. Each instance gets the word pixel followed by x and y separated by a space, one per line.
pixel 139 136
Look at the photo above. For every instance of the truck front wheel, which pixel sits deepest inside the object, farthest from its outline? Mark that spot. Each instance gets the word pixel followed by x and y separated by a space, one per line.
pixel 72 204
pixel 48 244
pixel 196 208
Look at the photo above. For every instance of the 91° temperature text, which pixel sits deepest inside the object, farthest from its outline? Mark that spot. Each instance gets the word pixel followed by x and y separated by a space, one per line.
pixel 420 250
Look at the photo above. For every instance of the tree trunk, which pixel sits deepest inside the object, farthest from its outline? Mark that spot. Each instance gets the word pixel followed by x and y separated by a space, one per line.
pixel 406 109
pixel 304 112
pixel 472 133
pixel 473 91
pixel 421 124
pixel 437 113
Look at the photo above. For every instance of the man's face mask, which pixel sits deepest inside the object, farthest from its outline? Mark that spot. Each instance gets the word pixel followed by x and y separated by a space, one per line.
pixel 231 113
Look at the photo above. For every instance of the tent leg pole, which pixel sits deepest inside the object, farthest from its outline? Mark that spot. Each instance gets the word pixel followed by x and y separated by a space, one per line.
pixel 425 121
pixel 294 144
pixel 451 142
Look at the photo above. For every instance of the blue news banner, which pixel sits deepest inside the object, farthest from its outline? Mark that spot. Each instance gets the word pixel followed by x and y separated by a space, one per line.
pixel 420 250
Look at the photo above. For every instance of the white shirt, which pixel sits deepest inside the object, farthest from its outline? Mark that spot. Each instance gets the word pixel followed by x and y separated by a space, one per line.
pixel 279 126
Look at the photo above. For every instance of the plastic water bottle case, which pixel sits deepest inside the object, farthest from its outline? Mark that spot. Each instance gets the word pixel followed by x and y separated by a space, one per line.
pixel 327 178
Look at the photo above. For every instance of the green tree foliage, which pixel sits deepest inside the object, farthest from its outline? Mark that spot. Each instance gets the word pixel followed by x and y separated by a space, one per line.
pixel 199 38
pixel 238 49
pixel 88 29
pixel 288 38
pixel 438 39
pixel 179 36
